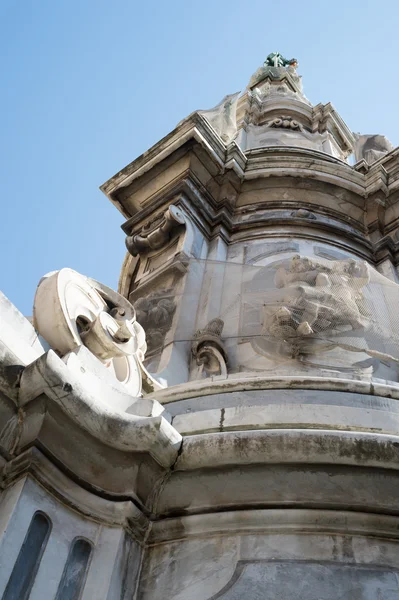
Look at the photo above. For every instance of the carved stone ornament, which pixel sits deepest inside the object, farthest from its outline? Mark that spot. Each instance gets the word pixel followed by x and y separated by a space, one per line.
pixel 208 349
pixel 71 310
pixel 155 233
pixel 155 313
pixel 318 298
pixel 286 123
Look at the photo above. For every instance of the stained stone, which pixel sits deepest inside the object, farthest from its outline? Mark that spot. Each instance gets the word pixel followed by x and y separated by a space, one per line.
pixel 226 425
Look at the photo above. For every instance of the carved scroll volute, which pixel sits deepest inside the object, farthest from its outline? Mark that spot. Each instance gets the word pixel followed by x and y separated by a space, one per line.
pixel 208 349
pixel 155 233
pixel 71 310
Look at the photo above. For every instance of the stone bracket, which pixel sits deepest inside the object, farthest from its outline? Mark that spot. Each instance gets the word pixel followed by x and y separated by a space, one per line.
pixel 49 375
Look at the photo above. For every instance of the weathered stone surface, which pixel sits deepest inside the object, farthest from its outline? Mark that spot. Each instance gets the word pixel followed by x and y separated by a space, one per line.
pixel 223 117
pixel 310 581
pixel 371 147
pixel 256 453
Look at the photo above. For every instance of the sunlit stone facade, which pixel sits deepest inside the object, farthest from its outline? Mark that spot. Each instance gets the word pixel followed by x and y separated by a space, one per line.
pixel 226 424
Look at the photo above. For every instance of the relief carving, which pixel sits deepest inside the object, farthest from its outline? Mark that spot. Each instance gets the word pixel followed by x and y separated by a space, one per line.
pixel 318 299
pixel 156 232
pixel 155 314
pixel 286 123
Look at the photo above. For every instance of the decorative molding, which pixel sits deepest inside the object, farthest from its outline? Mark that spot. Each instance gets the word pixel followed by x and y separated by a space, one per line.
pixel 274 520
pixel 88 503
pixel 242 382
pixel 286 122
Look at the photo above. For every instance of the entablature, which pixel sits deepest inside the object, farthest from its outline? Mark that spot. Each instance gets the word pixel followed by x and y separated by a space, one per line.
pixel 195 169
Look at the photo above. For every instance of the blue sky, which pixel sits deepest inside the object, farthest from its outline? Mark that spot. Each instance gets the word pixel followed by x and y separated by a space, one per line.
pixel 88 85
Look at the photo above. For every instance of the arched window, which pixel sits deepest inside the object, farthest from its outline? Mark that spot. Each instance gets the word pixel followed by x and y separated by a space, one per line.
pixel 27 564
pixel 75 571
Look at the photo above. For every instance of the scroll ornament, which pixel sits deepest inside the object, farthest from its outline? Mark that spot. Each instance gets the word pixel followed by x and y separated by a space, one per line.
pixel 71 310
pixel 208 349
pixel 156 233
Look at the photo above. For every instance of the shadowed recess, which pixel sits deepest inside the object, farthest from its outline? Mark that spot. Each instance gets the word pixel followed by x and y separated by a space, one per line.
pixel 74 575
pixel 29 557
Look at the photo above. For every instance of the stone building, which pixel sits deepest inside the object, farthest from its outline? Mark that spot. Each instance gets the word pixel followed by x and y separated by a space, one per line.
pixel 225 426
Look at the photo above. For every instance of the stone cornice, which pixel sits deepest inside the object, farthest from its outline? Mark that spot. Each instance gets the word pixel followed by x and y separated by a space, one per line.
pixel 350 240
pixel 187 191
pixel 326 118
pixel 381 178
pixel 240 382
pixel 300 162
pixel 194 128
pixel 374 182
pixel 273 520
pixel 264 447
pixel 93 506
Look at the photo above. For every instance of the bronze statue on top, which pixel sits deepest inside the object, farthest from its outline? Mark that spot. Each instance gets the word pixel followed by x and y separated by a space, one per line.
pixel 275 59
